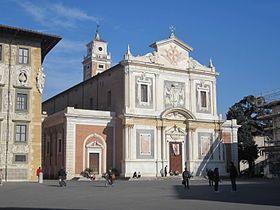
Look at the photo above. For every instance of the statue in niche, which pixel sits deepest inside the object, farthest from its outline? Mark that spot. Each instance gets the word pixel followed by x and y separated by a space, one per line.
pixel 40 79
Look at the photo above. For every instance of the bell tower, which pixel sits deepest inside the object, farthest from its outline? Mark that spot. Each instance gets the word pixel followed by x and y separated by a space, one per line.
pixel 97 59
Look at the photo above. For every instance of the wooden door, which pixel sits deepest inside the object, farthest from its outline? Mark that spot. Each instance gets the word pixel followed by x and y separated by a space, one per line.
pixel 94 162
pixel 175 156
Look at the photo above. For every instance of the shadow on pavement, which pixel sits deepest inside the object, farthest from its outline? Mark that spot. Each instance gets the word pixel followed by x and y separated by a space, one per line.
pixel 53 185
pixel 26 208
pixel 260 194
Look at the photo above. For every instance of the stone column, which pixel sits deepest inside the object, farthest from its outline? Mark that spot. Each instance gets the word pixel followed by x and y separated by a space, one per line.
pixel 214 105
pixel 127 87
pixel 191 146
pixel 155 90
pixel 163 146
pixel 158 150
pixel 125 150
pixel 130 132
pixel 70 148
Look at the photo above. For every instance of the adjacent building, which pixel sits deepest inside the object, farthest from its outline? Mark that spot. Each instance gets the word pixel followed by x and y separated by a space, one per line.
pixel 271 146
pixel 22 78
pixel 143 114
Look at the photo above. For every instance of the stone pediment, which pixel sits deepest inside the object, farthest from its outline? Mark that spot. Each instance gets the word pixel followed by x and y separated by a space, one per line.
pixel 170 52
pixel 175 132
pixel 172 40
pixel 94 144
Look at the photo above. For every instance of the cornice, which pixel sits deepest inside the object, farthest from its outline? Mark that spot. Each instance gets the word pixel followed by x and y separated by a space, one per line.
pixel 168 68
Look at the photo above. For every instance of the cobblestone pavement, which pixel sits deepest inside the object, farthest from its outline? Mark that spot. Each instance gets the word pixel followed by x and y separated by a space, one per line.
pixel 134 195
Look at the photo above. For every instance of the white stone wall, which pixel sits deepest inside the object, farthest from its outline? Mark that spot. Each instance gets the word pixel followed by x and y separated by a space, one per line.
pixel 169 64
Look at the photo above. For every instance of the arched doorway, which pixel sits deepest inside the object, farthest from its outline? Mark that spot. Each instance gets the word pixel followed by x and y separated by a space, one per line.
pixel 177 141
pixel 94 154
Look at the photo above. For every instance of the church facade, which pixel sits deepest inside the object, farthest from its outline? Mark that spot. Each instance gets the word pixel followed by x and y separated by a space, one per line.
pixel 143 114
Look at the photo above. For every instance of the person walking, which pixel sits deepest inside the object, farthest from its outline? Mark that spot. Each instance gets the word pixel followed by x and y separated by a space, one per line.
pixel 39 170
pixel 165 171
pixel 216 179
pixel 233 175
pixel 186 176
pixel 62 176
pixel 210 176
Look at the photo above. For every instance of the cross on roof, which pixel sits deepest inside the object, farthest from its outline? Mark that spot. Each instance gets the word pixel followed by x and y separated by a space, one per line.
pixel 172 29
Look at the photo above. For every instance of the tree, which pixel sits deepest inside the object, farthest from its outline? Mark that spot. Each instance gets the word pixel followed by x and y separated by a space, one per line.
pixel 247 113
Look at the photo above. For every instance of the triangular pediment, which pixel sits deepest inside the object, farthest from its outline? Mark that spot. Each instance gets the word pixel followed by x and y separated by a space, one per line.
pixel 171 52
pixel 172 40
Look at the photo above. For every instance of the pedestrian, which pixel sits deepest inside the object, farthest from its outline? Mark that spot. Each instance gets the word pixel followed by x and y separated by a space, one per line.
pixel 109 178
pixel 210 176
pixel 216 179
pixel 165 171
pixel 233 175
pixel 161 173
pixel 39 170
pixel 62 176
pixel 1 177
pixel 186 176
pixel 139 175
pixel 134 175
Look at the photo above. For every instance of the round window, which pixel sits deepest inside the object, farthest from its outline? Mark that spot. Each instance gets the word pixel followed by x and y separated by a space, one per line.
pixel 100 48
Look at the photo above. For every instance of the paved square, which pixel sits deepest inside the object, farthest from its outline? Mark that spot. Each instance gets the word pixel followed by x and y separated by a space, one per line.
pixel 134 195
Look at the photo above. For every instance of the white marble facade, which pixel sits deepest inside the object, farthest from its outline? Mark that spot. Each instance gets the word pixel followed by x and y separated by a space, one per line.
pixel 170 107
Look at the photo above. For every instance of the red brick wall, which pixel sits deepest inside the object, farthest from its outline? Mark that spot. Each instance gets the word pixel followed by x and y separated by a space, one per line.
pixel 82 132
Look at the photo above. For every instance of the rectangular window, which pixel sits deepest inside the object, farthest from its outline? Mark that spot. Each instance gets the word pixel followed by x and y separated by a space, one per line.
pixel 109 98
pixel 20 158
pixel 59 145
pixel 1 53
pixel 203 99
pixel 23 55
pixel 144 93
pixel 100 66
pixel 21 102
pixel 21 133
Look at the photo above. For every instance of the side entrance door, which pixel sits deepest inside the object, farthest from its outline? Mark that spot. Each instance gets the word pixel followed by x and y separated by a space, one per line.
pixel 94 162
pixel 175 156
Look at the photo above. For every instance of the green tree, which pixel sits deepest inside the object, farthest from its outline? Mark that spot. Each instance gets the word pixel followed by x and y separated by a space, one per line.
pixel 247 113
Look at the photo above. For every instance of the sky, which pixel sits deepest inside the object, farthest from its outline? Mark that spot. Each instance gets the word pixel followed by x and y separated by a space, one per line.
pixel 241 36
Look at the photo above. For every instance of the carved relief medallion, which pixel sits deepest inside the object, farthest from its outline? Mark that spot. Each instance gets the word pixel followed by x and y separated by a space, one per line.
pixel 173 55
pixel 23 77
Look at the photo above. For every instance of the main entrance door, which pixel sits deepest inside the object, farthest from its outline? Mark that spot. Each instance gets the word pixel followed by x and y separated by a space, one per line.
pixel 94 162
pixel 175 156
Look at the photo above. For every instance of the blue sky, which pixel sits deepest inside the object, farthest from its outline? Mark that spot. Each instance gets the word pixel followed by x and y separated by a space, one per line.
pixel 241 36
